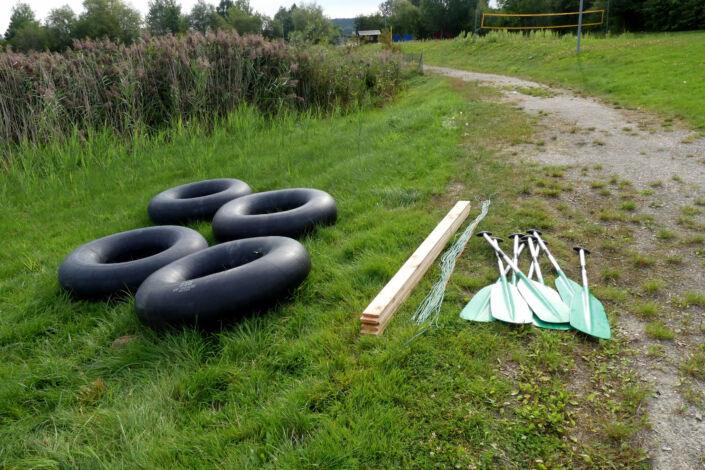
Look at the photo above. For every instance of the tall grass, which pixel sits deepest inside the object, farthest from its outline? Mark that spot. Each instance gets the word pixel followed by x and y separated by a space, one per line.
pixel 513 37
pixel 155 82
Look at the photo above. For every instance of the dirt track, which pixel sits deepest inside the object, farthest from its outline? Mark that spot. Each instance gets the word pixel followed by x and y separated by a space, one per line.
pixel 640 148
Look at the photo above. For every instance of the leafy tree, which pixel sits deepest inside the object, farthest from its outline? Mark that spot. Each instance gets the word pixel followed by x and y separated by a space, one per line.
pixel 447 17
pixel 311 26
pixel 367 22
pixel 283 23
pixel 60 28
pixel 22 16
pixel 111 19
pixel 203 17
pixel 241 17
pixel 669 15
pixel 405 17
pixel 31 37
pixel 433 15
pixel 542 6
pixel 224 7
pixel 165 17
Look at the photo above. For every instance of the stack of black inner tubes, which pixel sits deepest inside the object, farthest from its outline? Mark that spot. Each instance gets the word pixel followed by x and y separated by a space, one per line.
pixel 178 279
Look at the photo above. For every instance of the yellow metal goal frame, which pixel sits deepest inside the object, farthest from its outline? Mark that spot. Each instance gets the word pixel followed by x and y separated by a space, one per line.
pixel 585 12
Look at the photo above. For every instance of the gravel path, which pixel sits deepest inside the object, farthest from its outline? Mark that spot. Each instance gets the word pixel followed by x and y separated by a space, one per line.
pixel 650 153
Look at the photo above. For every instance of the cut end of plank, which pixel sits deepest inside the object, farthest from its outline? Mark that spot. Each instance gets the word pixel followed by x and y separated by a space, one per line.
pixel 380 311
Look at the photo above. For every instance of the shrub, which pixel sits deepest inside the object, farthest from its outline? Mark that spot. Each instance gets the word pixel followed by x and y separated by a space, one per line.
pixel 162 80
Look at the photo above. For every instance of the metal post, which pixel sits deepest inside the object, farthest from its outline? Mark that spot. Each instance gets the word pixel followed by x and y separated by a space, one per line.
pixel 580 26
pixel 477 7
pixel 607 21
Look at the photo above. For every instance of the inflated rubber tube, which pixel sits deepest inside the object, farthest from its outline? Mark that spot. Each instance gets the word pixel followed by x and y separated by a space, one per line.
pixel 121 262
pixel 286 212
pixel 222 283
pixel 194 201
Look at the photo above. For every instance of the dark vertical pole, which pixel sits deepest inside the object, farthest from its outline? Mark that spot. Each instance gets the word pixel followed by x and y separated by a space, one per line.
pixel 580 26
pixel 607 20
pixel 477 7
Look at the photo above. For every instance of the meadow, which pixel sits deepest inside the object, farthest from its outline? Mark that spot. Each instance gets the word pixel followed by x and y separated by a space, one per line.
pixel 657 72
pixel 84 384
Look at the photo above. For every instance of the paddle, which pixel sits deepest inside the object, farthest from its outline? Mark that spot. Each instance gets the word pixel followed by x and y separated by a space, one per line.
pixel 478 308
pixel 567 288
pixel 536 267
pixel 506 303
pixel 536 295
pixel 587 314
pixel 517 241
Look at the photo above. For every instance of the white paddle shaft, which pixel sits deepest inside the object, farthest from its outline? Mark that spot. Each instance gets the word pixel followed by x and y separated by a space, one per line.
pixel 586 290
pixel 534 250
pixel 493 243
pixel 548 253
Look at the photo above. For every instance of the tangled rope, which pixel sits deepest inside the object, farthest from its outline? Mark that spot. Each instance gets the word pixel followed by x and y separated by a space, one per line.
pixel 430 308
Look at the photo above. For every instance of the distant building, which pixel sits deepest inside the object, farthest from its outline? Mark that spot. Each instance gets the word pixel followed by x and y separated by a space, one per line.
pixel 371 35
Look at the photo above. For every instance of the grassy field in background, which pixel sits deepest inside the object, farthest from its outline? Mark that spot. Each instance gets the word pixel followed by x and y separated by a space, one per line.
pixel 297 386
pixel 659 72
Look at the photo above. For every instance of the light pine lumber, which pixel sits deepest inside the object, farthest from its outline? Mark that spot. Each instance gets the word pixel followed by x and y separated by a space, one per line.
pixel 380 311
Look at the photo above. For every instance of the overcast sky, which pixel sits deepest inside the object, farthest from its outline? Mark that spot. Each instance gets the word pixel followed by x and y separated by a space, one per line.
pixel 332 8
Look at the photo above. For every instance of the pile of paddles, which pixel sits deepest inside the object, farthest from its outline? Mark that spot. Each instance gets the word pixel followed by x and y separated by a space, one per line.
pixel 178 279
pixel 526 299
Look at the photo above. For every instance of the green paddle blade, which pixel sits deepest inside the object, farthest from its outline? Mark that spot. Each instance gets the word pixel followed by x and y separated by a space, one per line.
pixel 544 301
pixel 478 309
pixel 567 288
pixel 551 326
pixel 588 315
pixel 506 304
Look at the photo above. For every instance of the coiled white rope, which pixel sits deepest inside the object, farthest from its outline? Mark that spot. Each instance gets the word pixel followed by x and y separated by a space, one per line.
pixel 431 305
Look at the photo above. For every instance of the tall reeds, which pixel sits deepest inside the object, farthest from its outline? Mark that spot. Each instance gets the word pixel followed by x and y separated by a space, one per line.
pixel 157 81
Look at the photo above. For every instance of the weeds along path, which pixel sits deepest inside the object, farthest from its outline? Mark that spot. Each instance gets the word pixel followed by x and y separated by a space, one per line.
pixel 645 180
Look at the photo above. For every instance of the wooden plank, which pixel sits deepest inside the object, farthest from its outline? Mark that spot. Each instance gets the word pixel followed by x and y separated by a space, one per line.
pixel 380 311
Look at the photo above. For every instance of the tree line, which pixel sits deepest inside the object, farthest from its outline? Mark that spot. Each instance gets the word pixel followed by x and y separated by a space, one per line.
pixel 117 21
pixel 306 23
pixel 448 18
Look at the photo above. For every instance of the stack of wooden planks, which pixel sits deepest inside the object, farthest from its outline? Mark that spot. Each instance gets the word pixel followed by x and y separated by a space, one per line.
pixel 377 315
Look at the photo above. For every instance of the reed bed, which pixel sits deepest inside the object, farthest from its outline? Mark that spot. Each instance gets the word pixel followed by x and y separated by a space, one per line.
pixel 158 81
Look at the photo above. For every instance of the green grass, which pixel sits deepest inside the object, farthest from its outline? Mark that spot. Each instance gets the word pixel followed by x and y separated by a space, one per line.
pixel 665 234
pixel 296 386
pixel 611 274
pixel 658 330
pixel 628 206
pixel 641 260
pixel 653 286
pixel 647 310
pixel 694 365
pixel 695 298
pixel 690 211
pixel 660 72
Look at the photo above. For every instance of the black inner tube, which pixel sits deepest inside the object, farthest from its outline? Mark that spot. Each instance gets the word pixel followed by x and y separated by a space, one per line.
pixel 121 262
pixel 200 190
pixel 285 212
pixel 195 201
pixel 242 258
pixel 273 208
pixel 223 283
pixel 124 254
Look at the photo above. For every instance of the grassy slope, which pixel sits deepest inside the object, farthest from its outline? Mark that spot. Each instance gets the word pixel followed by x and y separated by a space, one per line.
pixel 660 72
pixel 298 386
